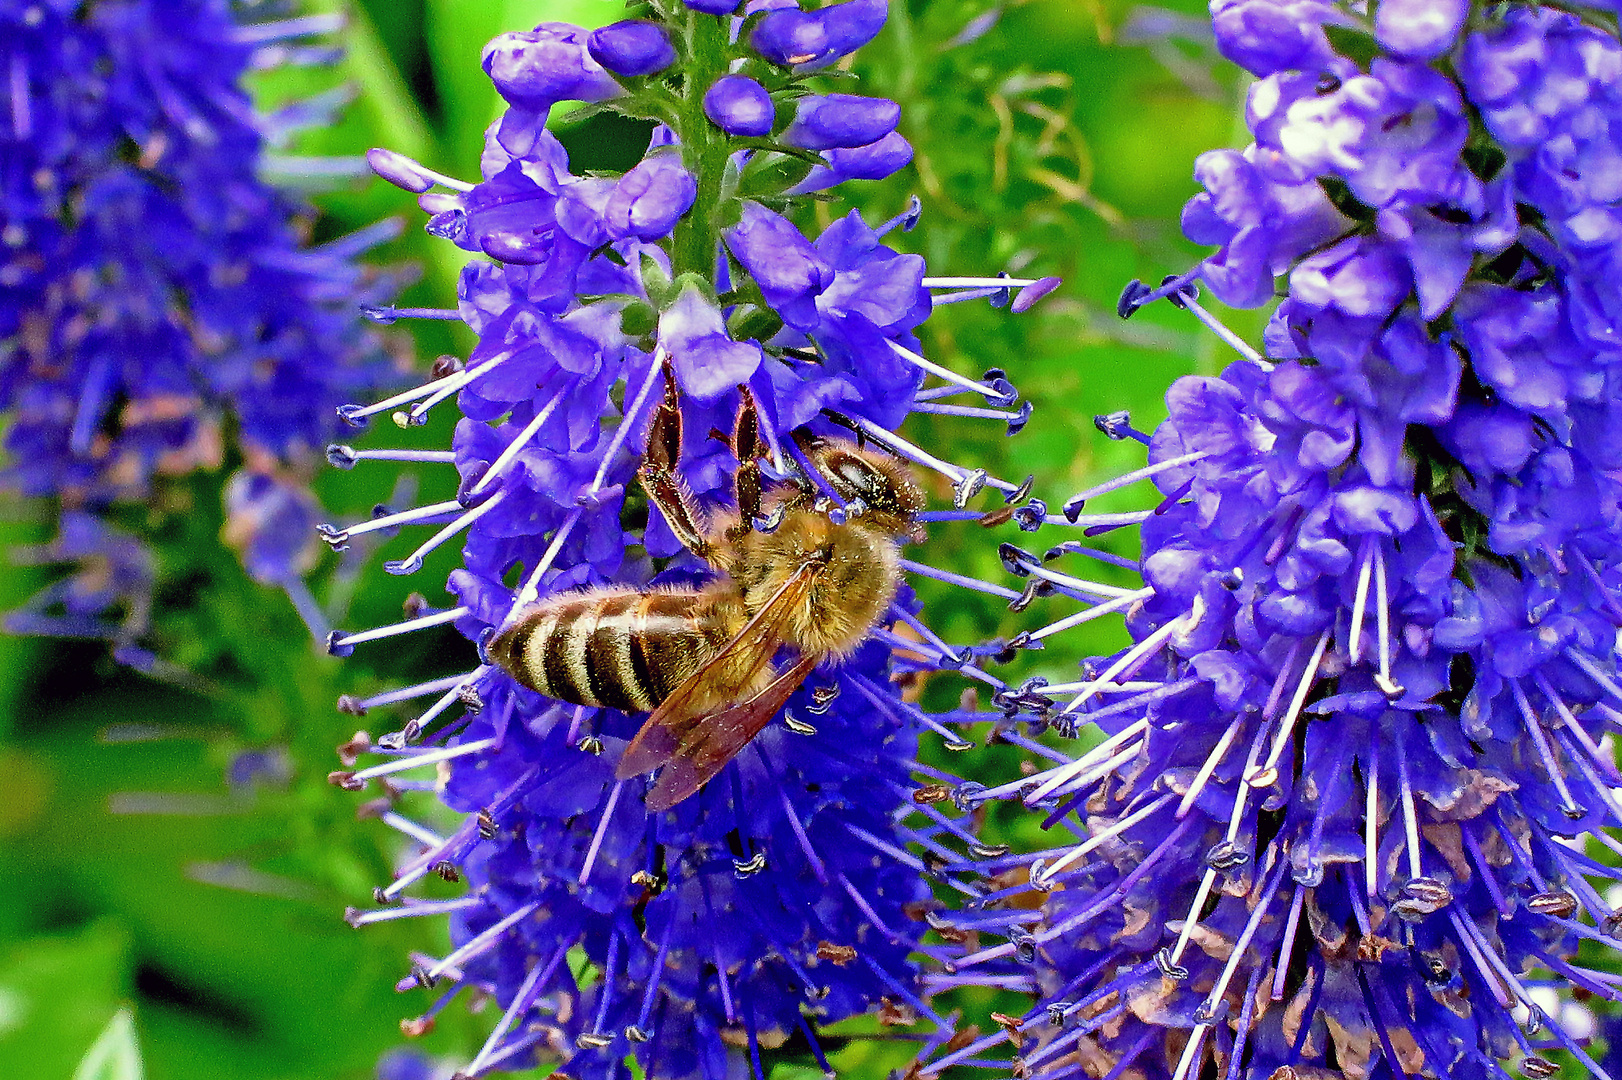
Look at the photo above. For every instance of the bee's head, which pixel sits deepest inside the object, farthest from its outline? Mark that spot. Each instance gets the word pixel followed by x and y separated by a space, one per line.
pixel 880 482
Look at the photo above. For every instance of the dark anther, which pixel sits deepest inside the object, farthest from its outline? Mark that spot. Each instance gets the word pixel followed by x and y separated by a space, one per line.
pixel 483 645
pixel 393 740
pixel 351 705
pixel 1034 587
pixel 352 916
pixel 1131 297
pixel 1434 969
pixel 1327 83
pixel 1535 1018
pixel 591 744
pixel 487 825
pixel 382 314
pixel 372 809
pixel 1232 579
pixel 914 212
pixel 1115 425
pixel 821 698
pixel 838 955
pixel 1558 905
pixel 1226 856
pixel 1057 1011
pixel 424 980
pixel 1420 897
pixel 1612 924
pixel 445 365
pixel 1017 422
pixel 468 695
pixel 379 896
pixel 340 456
pixel 1174 972
pixel 446 871
pixel 1023 639
pixel 1016 560
pixel 968 795
pixel 466 495
pixel 1574 811
pixel 417 1026
pixel 967 487
pixel 956 745
pixel 931 793
pixel 935 864
pixel 751 867
pixel 1538 1068
pixel 1032 516
pixel 1190 291
pixel 637 1035
pixel 351 415
pixel 1211 1013
pixel 1037 876
pixel 1073 507
pixel 992 518
pixel 590 1040
pixel 345 779
pixel 415 604
pixel 356 745
pixel 1002 393
pixel 989 851
pixel 1002 296
pixel 1021 493
pixel 796 725
pixel 653 883
pixel 335 538
pixel 1024 948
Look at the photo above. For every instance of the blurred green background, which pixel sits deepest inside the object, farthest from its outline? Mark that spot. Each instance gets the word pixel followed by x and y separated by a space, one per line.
pixel 177 849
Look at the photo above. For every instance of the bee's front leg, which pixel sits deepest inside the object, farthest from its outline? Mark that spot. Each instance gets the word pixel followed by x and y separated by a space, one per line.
pixel 664 484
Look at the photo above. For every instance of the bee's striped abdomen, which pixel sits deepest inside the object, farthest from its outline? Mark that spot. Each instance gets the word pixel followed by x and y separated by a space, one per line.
pixel 623 650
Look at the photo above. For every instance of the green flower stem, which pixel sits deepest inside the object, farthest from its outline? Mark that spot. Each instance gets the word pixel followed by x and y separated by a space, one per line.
pixel 705 147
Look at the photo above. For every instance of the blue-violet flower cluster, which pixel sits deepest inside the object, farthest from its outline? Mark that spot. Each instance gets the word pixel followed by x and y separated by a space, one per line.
pixel 154 292
pixel 1348 817
pixel 790 892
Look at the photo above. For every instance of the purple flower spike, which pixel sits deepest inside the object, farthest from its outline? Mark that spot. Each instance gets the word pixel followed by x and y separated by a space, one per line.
pixel 631 48
pixel 842 121
pixel 650 199
pixel 739 105
pixel 814 39
pixel 708 363
pixel 539 68
pixel 713 7
pixel 1419 29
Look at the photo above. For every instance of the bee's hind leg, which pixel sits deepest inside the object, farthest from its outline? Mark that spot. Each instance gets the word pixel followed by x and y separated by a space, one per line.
pixel 664 484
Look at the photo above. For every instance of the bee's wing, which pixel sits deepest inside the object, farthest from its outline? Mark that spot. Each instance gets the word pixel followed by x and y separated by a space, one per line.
pixel 676 727
pixel 718 737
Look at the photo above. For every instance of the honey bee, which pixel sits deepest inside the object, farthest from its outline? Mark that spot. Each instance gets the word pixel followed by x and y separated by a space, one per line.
pixel 702 659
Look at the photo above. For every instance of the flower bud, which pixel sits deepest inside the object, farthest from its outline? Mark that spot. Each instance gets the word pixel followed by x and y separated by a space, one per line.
pixel 631 48
pixel 842 120
pixel 739 105
pixel 539 68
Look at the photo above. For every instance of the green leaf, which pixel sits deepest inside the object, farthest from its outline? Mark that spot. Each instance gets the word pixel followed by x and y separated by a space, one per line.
pixel 114 1055
pixel 55 996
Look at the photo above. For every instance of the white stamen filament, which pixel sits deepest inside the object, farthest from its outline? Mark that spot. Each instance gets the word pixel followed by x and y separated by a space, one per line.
pixel 403 455
pixel 1382 615
pixel 1120 603
pixel 942 372
pixel 1070 769
pixel 404 517
pixel 1534 729
pixel 1130 662
pixel 1128 479
pixel 479 943
pixel 444 388
pixel 1081 585
pixel 438 618
pixel 532 584
pixel 1212 760
pixel 1570 720
pixel 602 828
pixel 1098 839
pixel 519 1004
pixel 1355 641
pixel 1240 797
pixel 424 836
pixel 499 466
pixel 1287 944
pixel 282 29
pixel 908 450
pixel 1234 341
pixel 1266 775
pixel 466 521
pixel 427 757
pixel 628 421
pixel 1410 818
pixel 977 282
pixel 1371 823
